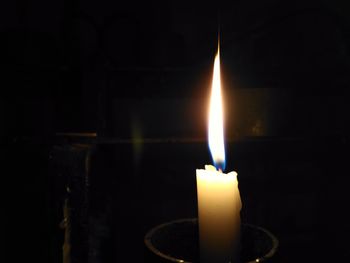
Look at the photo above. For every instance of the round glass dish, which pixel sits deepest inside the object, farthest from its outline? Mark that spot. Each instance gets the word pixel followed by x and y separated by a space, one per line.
pixel 177 241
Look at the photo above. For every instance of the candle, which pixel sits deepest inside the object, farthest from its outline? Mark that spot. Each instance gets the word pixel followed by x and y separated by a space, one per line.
pixel 219 201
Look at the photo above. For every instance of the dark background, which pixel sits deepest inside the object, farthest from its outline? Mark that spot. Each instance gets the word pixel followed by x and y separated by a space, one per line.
pixel 138 75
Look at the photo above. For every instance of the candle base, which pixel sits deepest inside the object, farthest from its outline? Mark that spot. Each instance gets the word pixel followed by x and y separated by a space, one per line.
pixel 177 241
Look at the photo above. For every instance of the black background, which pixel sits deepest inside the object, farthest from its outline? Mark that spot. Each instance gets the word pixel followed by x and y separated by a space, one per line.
pixel 143 70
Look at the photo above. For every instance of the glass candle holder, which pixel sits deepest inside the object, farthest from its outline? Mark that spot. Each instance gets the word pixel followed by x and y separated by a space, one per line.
pixel 177 241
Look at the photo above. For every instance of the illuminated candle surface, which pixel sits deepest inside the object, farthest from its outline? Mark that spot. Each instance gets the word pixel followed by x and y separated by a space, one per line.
pixel 219 201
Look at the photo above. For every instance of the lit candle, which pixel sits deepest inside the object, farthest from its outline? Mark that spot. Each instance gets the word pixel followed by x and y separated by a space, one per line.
pixel 219 201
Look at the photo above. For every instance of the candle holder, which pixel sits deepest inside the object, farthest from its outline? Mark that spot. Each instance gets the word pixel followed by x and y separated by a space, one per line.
pixel 177 241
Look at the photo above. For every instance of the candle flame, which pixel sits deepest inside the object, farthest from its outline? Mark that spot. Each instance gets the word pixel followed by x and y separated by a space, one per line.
pixel 216 125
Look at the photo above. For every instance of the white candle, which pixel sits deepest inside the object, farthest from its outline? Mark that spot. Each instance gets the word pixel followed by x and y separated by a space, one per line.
pixel 219 205
pixel 219 201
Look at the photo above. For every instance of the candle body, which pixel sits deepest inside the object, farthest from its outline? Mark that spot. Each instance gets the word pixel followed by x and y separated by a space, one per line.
pixel 219 206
